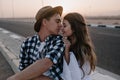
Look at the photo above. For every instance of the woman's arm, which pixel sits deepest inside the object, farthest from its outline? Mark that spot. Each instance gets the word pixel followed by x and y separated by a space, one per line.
pixel 67 46
pixel 67 56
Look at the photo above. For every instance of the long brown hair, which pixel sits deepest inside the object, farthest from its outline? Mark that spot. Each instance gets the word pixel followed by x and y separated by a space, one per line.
pixel 82 47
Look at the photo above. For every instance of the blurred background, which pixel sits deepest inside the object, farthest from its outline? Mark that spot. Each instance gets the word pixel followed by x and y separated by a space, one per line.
pixel 28 8
pixel 102 17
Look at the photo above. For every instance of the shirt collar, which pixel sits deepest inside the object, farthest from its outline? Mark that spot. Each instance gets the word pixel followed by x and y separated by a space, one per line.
pixel 38 38
pixel 50 37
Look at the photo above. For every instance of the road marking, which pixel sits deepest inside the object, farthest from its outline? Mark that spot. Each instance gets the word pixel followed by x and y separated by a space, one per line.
pixel 15 36
pixel 5 31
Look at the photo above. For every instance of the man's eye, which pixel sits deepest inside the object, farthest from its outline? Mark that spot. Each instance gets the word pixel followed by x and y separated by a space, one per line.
pixel 57 21
pixel 64 26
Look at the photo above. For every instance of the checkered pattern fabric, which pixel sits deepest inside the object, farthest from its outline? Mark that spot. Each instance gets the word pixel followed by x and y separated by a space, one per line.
pixel 53 49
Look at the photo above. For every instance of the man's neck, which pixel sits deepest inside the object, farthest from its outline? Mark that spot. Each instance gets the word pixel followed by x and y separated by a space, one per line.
pixel 43 35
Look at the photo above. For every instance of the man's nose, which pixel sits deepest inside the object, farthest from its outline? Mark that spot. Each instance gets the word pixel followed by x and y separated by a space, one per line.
pixel 60 25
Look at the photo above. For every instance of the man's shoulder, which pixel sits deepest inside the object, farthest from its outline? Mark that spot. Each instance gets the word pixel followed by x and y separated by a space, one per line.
pixel 59 38
pixel 54 37
pixel 30 38
pixel 54 40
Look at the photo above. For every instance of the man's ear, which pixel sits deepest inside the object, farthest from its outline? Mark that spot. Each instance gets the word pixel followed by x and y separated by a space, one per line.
pixel 44 22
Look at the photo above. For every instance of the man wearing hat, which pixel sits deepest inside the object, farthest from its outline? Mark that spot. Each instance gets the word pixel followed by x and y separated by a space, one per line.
pixel 41 55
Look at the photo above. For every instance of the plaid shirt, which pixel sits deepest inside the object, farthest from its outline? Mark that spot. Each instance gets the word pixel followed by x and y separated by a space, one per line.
pixel 53 49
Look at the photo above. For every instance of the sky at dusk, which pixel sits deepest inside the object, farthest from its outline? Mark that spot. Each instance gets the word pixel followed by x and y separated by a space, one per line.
pixel 28 8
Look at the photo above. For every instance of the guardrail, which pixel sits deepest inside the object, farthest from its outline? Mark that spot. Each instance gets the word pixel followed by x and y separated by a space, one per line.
pixel 103 25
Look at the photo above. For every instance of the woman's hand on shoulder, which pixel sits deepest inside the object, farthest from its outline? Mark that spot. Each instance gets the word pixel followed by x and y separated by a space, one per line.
pixel 67 43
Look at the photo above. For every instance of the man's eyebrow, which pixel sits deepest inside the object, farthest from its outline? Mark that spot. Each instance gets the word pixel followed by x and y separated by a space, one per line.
pixel 58 20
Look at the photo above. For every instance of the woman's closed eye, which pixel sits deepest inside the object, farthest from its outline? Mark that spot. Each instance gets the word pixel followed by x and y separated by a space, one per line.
pixel 64 25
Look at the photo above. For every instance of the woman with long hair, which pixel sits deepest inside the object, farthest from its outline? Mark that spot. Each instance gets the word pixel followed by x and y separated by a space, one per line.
pixel 78 42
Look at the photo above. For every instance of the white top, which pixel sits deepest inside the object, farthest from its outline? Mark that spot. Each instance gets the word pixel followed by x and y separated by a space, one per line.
pixel 73 72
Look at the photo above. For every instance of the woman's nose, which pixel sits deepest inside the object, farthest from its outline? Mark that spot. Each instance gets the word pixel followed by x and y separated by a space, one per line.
pixel 61 30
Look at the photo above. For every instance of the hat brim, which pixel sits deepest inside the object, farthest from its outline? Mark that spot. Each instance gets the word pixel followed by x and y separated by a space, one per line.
pixel 58 9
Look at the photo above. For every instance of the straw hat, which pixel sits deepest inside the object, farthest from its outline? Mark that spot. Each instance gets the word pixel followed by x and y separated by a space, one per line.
pixel 46 10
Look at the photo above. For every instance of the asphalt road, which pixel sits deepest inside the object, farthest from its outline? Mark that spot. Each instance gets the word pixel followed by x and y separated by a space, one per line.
pixel 5 69
pixel 106 41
